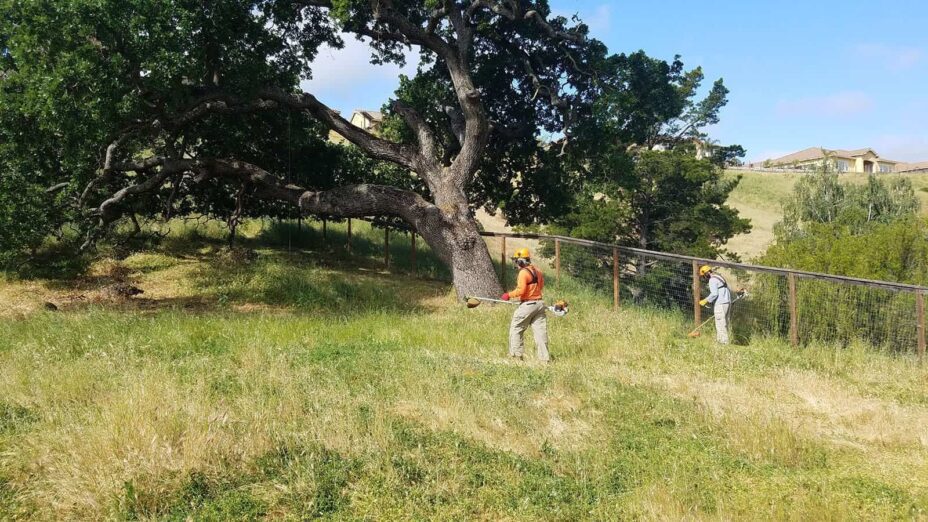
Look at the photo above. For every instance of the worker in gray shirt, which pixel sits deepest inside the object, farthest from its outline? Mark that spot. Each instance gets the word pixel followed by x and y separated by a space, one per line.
pixel 720 296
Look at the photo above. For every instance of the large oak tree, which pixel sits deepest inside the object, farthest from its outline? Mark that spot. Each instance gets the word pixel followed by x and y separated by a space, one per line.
pixel 140 100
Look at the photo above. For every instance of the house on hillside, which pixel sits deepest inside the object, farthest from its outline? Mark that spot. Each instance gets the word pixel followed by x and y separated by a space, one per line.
pixel 864 161
pixel 370 121
pixel 912 168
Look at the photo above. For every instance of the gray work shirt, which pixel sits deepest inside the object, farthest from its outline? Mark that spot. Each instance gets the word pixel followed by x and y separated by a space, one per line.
pixel 718 290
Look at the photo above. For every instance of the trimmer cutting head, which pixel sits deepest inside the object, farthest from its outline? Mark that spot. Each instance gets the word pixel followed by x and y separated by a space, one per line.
pixel 559 308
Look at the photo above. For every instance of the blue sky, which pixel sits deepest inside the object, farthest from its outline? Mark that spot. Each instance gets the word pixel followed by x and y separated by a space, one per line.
pixel 837 74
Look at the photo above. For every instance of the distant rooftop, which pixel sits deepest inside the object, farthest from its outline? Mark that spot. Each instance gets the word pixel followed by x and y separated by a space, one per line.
pixel 371 115
pixel 817 153
pixel 912 167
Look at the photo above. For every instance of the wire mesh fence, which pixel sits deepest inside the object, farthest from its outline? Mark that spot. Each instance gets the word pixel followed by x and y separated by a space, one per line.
pixel 375 243
pixel 801 307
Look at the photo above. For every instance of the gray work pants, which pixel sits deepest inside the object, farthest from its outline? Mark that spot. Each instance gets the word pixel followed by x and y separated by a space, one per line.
pixel 721 311
pixel 530 313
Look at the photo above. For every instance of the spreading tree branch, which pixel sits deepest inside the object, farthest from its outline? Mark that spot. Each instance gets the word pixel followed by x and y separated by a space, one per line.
pixel 379 148
pixel 514 13
pixel 352 201
pixel 384 11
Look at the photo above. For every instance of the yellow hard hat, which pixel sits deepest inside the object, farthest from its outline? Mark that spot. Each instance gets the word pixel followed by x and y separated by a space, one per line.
pixel 521 253
pixel 704 269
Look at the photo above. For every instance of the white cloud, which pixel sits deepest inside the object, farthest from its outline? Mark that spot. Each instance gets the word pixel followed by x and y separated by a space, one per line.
pixel 837 105
pixel 892 57
pixel 598 19
pixel 903 147
pixel 347 74
pixel 601 21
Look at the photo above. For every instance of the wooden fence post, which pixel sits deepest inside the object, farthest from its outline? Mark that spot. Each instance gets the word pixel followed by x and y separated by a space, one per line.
pixel 348 244
pixel 557 262
pixel 325 222
pixel 386 248
pixel 412 251
pixel 697 310
pixel 920 313
pixel 615 279
pixel 502 263
pixel 793 311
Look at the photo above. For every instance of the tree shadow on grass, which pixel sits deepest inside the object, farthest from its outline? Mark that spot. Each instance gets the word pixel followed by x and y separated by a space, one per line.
pixel 281 268
pixel 64 265
pixel 294 282
pixel 243 281
pixel 56 261
pixel 368 247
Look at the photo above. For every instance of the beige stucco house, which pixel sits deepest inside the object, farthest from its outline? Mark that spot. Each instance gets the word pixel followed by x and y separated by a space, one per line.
pixel 912 168
pixel 859 160
pixel 367 120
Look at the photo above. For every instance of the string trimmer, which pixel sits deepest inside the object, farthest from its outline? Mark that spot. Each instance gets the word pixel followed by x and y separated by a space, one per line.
pixel 695 333
pixel 559 308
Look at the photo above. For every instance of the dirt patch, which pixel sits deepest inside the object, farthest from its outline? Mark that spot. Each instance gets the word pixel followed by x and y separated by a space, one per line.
pixel 108 284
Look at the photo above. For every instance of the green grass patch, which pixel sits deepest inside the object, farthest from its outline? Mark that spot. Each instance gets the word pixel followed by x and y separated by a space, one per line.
pixel 296 390
pixel 760 197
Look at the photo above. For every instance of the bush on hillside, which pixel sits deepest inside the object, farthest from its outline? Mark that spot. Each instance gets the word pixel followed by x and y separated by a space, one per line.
pixel 895 251
pixel 27 217
pixel 869 231
pixel 822 199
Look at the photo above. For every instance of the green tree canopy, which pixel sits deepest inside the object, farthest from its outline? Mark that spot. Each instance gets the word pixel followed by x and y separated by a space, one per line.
pixel 665 200
pixel 641 179
pixel 890 251
pixel 141 106
pixel 822 199
pixel 869 230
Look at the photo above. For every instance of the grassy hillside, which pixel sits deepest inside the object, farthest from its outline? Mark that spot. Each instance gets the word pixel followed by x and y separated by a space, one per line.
pixel 760 197
pixel 284 386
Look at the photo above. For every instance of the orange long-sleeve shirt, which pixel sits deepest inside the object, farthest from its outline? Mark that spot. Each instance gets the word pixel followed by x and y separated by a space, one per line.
pixel 525 289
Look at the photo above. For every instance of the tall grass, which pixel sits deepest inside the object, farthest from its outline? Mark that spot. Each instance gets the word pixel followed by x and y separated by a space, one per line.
pixel 297 390
pixel 367 245
pixel 760 197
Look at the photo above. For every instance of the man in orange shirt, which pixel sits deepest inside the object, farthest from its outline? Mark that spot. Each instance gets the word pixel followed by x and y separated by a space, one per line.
pixel 531 310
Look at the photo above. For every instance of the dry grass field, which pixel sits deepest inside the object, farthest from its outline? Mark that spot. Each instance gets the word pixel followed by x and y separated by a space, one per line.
pixel 760 197
pixel 298 383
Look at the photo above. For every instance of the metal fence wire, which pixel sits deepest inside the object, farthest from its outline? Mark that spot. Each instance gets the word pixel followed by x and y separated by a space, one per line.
pixel 799 306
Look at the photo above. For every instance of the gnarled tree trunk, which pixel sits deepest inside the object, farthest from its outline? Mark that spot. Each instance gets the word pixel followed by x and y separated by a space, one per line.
pixel 447 226
pixel 446 223
pixel 457 241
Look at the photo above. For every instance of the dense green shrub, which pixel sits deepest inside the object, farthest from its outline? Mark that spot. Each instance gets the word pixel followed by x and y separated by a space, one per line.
pixel 26 216
pixel 868 231
pixel 821 199
pixel 895 251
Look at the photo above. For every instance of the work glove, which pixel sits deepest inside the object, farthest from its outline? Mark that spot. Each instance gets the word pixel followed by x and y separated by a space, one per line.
pixel 704 302
pixel 505 297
